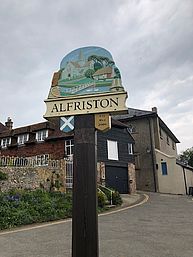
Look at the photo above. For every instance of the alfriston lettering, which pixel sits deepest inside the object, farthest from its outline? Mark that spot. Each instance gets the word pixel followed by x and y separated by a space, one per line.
pixel 55 108
pixel 85 105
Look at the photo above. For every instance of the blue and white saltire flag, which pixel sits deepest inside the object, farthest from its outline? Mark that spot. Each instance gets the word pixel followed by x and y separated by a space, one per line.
pixel 67 124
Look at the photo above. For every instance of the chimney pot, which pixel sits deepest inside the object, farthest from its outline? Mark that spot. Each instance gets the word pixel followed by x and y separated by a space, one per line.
pixel 154 109
pixel 9 123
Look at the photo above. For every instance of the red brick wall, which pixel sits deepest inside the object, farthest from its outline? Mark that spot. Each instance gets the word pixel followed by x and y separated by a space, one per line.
pixel 55 148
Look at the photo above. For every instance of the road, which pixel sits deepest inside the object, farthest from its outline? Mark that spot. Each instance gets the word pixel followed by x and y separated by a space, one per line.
pixel 162 227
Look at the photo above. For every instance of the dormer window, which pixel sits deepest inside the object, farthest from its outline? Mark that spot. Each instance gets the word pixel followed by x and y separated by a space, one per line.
pixel 41 135
pixel 5 142
pixel 22 139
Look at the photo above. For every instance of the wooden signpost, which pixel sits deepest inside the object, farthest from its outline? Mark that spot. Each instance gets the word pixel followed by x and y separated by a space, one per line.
pixel 85 218
pixel 87 86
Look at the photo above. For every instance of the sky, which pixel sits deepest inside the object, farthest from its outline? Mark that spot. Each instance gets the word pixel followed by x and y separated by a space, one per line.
pixel 151 42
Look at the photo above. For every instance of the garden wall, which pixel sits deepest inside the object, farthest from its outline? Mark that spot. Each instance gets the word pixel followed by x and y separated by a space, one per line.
pixel 49 177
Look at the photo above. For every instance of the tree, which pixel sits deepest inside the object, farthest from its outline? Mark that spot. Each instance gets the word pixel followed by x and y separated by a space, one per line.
pixel 89 73
pixel 187 156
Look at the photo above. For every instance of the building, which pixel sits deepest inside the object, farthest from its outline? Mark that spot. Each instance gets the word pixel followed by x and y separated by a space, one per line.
pixel 45 141
pixel 155 152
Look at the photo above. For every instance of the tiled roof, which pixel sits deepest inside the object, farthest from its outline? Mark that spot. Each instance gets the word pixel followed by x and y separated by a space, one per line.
pixel 2 127
pixel 27 129
pixel 103 71
pixel 133 113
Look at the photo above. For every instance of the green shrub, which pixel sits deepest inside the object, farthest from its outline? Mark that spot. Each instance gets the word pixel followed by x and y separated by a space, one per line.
pixel 116 198
pixel 3 176
pixel 20 207
pixel 101 199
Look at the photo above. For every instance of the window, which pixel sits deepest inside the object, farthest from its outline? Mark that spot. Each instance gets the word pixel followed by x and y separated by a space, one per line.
pixel 112 149
pixel 173 145
pixel 160 133
pixel 69 147
pixel 22 139
pixel 69 174
pixel 130 148
pixel 168 140
pixel 41 135
pixel 5 142
pixel 164 168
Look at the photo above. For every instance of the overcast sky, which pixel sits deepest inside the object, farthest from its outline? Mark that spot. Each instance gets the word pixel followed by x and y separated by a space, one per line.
pixel 151 42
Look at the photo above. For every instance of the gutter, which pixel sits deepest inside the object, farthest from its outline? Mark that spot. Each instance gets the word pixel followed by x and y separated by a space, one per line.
pixel 152 156
pixel 185 182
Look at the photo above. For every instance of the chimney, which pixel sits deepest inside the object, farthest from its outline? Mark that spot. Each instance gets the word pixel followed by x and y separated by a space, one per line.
pixel 9 123
pixel 154 109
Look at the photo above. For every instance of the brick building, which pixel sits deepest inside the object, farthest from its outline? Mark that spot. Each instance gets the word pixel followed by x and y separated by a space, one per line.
pixel 44 141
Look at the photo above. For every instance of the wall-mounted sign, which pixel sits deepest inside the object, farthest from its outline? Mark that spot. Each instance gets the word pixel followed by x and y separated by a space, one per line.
pixel 103 121
pixel 88 82
pixel 67 124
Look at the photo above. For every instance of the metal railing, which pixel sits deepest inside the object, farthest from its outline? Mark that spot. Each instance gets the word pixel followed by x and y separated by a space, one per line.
pixel 34 161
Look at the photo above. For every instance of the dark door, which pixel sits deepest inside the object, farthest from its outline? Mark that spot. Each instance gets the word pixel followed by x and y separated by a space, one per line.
pixel 117 178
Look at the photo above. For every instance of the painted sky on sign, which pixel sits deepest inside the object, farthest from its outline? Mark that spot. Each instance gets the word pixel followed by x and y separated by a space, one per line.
pixel 151 43
pixel 87 51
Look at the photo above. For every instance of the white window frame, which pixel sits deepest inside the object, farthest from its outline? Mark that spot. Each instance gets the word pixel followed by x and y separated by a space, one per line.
pixel 41 135
pixel 69 146
pixel 5 142
pixel 21 139
pixel 112 150
pixel 130 148
pixel 69 174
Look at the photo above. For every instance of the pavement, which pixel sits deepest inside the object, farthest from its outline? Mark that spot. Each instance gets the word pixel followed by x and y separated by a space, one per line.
pixel 155 227
pixel 130 200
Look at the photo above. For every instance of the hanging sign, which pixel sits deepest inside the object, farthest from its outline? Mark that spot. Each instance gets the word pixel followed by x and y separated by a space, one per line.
pixel 88 81
pixel 103 121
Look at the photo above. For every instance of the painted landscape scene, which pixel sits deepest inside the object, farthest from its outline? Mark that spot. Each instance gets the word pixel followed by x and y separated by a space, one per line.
pixel 87 70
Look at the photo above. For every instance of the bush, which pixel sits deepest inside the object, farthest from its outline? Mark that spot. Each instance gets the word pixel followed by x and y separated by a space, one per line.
pixel 109 192
pixel 116 198
pixel 3 176
pixel 20 207
pixel 101 199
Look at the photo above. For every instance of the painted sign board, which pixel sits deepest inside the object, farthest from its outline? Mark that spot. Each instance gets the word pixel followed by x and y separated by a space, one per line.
pixel 103 121
pixel 88 81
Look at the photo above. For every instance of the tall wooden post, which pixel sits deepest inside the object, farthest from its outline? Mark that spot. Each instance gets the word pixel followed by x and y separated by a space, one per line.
pixel 84 217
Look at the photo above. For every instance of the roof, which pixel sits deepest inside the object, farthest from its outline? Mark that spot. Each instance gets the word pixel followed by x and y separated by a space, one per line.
pixel 57 134
pixel 116 123
pixel 2 127
pixel 135 114
pixel 184 165
pixel 76 65
pixel 103 71
pixel 27 129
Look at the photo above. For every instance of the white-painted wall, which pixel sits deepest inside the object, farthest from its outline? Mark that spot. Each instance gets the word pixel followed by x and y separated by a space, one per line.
pixel 173 182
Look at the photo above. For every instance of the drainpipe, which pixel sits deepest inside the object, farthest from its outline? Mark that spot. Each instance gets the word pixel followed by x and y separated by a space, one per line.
pixel 185 182
pixel 152 155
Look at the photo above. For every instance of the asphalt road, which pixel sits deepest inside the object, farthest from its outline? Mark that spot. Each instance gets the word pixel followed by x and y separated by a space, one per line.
pixel 162 227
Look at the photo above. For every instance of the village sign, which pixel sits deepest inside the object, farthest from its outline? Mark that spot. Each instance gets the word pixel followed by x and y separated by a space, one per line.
pixel 88 81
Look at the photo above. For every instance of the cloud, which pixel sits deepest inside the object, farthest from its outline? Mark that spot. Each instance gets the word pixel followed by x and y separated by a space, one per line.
pixel 151 42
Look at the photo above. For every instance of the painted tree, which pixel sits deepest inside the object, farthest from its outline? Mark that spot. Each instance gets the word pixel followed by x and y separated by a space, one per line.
pixel 100 61
pixel 89 73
